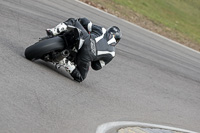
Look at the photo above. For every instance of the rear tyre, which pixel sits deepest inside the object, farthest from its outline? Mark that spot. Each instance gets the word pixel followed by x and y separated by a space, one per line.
pixel 37 50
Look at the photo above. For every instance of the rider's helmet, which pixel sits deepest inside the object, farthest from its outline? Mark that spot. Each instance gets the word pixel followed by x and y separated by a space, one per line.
pixel 114 31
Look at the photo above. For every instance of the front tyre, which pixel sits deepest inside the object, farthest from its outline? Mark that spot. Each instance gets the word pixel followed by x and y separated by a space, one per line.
pixel 37 50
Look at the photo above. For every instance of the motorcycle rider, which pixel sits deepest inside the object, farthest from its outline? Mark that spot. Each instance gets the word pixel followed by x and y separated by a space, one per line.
pixel 96 47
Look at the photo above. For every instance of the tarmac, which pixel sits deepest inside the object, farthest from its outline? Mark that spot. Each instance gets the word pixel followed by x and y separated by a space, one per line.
pixel 151 79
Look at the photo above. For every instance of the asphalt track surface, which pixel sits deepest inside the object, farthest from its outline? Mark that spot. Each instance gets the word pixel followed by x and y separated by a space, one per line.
pixel 151 79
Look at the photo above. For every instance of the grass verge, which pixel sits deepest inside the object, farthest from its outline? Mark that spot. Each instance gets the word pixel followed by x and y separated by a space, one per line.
pixel 178 20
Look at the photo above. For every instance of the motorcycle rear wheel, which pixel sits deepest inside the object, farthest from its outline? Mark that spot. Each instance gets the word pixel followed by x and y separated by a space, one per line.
pixel 39 49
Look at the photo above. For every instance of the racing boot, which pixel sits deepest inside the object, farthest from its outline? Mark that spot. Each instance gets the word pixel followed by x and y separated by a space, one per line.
pixel 56 30
pixel 69 66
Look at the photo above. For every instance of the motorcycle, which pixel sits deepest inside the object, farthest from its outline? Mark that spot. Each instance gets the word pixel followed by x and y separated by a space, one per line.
pixel 55 48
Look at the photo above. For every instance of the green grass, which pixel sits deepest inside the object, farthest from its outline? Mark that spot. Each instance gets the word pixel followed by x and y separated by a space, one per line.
pixel 182 16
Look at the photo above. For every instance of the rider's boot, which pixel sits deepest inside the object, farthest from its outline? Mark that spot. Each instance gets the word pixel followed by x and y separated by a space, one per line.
pixel 56 30
pixel 68 65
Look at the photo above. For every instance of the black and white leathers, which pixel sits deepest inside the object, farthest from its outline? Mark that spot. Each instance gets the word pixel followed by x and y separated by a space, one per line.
pixel 97 49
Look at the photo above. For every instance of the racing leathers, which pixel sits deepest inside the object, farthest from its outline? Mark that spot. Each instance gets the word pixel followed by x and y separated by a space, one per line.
pixel 97 50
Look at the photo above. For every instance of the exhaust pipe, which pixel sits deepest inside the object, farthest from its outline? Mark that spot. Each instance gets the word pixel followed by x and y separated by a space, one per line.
pixel 58 57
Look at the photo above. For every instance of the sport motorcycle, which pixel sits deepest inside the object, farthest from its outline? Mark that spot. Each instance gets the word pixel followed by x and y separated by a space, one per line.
pixel 55 48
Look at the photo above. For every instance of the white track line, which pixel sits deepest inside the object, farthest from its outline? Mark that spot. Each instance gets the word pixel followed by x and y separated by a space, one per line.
pixel 114 126
pixel 139 27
